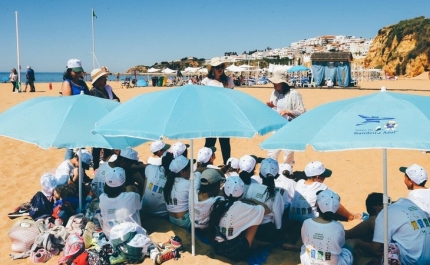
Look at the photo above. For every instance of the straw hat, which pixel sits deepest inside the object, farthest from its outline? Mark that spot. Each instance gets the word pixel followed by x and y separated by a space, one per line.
pixel 279 77
pixel 99 72
pixel 215 62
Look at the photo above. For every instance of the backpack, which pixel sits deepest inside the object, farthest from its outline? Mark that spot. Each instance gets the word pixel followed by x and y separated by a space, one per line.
pixel 22 235
pixel 40 206
pixel 74 247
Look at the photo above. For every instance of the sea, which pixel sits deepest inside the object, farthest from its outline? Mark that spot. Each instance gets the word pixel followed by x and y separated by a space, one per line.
pixel 52 77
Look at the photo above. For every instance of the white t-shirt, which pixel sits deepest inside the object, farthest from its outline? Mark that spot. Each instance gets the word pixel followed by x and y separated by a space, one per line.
pixel 64 172
pixel 179 196
pixel 322 243
pixel 212 82
pixel 153 202
pixel 97 185
pixel 421 197
pixel 152 160
pixel 246 187
pixel 238 218
pixel 409 228
pixel 125 207
pixel 260 193
pixel 286 187
pixel 304 200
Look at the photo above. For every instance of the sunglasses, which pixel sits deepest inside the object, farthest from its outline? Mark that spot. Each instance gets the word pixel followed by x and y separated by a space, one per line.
pixel 221 66
pixel 78 72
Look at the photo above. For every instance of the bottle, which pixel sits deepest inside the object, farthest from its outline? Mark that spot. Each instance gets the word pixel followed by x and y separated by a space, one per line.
pixel 50 86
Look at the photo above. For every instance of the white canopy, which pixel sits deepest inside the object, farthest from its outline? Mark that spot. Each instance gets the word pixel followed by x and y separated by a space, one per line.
pixel 234 68
pixel 246 66
pixel 153 70
pixel 168 71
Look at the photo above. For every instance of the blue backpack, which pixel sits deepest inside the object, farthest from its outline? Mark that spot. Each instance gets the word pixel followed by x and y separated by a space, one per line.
pixel 41 207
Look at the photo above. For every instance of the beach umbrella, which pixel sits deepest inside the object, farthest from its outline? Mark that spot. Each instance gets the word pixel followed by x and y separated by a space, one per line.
pixel 383 120
pixel 61 122
pixel 297 68
pixel 190 112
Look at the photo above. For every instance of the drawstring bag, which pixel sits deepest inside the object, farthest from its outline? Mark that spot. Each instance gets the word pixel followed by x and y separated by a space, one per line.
pixel 22 235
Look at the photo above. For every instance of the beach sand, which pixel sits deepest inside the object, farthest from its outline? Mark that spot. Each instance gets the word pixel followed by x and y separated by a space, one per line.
pixel 355 173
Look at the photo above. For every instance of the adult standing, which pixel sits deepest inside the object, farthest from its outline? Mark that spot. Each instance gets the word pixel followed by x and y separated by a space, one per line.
pixel 29 75
pixel 13 77
pixel 217 77
pixel 73 83
pixel 288 102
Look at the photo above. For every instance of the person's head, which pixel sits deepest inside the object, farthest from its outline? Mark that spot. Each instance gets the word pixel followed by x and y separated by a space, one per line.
pixel 247 167
pixel 210 182
pixel 29 67
pixel 159 147
pixel 269 169
pixel 65 191
pixel 232 165
pixel 286 170
pixel 99 77
pixel 165 162
pixel 328 202
pixel 280 83
pixel 48 183
pixel 14 71
pixel 315 170
pixel 86 158
pixel 126 158
pixel 216 70
pixel 74 69
pixel 415 175
pixel 178 149
pixel 233 188
pixel 179 168
pixel 114 182
pixel 374 203
pixel 206 156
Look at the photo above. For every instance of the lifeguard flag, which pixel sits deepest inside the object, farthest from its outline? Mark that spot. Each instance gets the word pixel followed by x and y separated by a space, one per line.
pixel 94 14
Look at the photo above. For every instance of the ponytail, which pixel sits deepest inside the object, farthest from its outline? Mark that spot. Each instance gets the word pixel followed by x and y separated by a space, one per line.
pixel 218 209
pixel 269 181
pixel 246 177
pixel 169 186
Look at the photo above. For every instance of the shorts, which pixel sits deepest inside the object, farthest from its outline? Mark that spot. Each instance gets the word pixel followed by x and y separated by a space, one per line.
pixel 235 249
pixel 184 221
pixel 267 232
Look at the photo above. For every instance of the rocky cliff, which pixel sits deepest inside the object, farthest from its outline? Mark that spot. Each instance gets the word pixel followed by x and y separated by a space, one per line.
pixel 402 49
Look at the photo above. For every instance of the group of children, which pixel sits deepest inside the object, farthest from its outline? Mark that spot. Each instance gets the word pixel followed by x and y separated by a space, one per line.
pixel 233 205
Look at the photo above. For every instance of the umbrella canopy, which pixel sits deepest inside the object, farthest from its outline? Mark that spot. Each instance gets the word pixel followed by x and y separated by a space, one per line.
pixel 153 70
pixel 168 71
pixel 383 120
pixel 234 68
pixel 297 68
pixel 190 112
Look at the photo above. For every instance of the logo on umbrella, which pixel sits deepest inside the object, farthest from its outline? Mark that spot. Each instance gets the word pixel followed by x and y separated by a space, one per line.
pixel 369 119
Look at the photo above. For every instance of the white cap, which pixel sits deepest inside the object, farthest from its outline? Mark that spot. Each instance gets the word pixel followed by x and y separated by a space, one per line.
pixel 178 149
pixel 205 154
pixel 247 163
pixel 158 145
pixel 283 167
pixel 316 168
pixel 114 177
pixel 234 187
pixel 328 201
pixel 416 173
pixel 234 162
pixel 49 183
pixel 178 164
pixel 269 166
pixel 29 67
pixel 75 65
pixel 129 153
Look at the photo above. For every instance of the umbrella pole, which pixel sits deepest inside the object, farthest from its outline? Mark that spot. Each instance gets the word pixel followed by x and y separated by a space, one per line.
pixel 385 201
pixel 193 236
pixel 80 180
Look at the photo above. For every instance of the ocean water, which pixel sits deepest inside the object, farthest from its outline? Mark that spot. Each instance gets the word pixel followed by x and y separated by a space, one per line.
pixel 47 77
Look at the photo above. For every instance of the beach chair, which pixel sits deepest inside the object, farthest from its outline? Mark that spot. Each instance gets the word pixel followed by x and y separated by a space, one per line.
pixel 126 83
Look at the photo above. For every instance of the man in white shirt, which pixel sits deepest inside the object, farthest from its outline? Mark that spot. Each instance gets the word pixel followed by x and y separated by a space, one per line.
pixel 158 148
pixel 68 170
pixel 415 180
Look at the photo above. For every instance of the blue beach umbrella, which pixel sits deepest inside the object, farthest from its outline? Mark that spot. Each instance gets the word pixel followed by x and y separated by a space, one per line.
pixel 297 68
pixel 383 120
pixel 61 122
pixel 190 112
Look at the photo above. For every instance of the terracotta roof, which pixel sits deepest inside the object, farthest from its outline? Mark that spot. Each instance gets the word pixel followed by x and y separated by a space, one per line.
pixel 331 56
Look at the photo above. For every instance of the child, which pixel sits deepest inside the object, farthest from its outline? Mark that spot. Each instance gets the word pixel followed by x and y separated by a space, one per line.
pixel 286 185
pixel 158 149
pixel 415 181
pixel 323 238
pixel 206 157
pixel 247 167
pixel 232 167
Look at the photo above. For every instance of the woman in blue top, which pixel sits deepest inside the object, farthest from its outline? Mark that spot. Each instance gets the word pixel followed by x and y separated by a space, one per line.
pixel 73 83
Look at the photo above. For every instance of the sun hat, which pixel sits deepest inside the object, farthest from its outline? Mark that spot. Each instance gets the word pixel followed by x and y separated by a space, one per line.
pixel 316 168
pixel 328 201
pixel 215 62
pixel 234 187
pixel 86 158
pixel 247 163
pixel 178 149
pixel 158 145
pixel 234 162
pixel 99 72
pixel 129 153
pixel 269 166
pixel 285 167
pixel 205 154
pixel 416 173
pixel 279 77
pixel 49 183
pixel 75 65
pixel 114 177
pixel 210 176
pixel 178 164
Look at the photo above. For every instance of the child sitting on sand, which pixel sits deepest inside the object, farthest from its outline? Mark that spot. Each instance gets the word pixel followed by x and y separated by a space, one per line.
pixel 247 167
pixel 415 181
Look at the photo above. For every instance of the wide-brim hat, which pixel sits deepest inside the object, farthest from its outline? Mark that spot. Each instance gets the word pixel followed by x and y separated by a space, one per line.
pixel 215 62
pixel 98 72
pixel 279 77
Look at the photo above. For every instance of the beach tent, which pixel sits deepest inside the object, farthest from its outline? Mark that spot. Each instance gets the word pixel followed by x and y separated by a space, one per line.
pixel 141 83
pixel 168 71
pixel 153 70
pixel 332 65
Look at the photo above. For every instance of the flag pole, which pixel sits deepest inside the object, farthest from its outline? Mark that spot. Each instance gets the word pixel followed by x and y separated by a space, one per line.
pixel 17 52
pixel 92 26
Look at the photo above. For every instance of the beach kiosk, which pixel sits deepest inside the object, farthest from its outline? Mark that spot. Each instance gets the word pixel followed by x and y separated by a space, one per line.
pixel 335 66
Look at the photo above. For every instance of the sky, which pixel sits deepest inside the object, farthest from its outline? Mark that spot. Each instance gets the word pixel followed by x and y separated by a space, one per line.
pixel 143 32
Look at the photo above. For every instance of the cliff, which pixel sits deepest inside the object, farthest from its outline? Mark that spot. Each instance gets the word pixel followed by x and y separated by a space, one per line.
pixel 401 49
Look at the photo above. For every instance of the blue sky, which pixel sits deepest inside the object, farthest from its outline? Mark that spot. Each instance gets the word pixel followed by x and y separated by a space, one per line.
pixel 129 33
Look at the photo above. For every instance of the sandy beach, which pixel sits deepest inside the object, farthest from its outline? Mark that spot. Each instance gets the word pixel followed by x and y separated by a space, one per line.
pixel 355 173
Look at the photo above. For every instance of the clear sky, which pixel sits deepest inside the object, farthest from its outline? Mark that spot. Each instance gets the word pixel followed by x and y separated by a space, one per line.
pixel 129 33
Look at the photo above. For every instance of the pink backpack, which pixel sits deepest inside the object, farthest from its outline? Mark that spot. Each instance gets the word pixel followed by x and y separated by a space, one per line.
pixel 74 247
pixel 22 235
